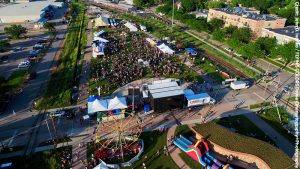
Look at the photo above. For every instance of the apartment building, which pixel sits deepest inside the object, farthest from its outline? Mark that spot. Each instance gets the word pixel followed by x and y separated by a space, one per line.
pixel 282 35
pixel 245 17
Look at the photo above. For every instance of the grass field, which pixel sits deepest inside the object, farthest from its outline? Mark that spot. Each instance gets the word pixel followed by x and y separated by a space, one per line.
pixel 14 82
pixel 242 125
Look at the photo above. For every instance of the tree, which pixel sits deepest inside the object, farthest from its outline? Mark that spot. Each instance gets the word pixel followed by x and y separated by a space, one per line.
pixel 138 3
pixel 188 5
pixel 242 34
pixel 229 30
pixel 251 50
pixel 49 26
pixel 289 14
pixel 215 24
pixel 215 4
pixel 219 35
pixel 286 51
pixel 15 31
pixel 266 44
pixel 4 45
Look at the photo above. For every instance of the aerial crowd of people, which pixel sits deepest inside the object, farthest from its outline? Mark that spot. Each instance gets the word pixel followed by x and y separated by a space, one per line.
pixel 130 57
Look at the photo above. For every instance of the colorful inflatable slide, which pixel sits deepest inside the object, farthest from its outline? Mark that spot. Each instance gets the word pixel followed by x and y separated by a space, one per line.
pixel 200 153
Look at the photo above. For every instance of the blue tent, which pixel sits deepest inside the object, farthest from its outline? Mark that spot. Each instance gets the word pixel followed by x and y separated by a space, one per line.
pixel 191 51
pixel 146 107
pixel 93 98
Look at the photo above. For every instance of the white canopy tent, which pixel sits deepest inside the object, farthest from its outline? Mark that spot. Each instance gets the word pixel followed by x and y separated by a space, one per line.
pixel 97 105
pixel 131 27
pixel 100 39
pixel 117 103
pixel 166 49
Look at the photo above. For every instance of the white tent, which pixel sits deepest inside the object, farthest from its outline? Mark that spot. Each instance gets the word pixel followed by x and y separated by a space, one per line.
pixel 100 39
pixel 131 27
pixel 102 165
pixel 97 34
pixel 97 105
pixel 166 49
pixel 117 103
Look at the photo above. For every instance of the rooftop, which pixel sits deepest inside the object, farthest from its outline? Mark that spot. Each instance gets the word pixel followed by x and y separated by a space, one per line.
pixel 247 13
pixel 287 31
pixel 167 89
pixel 33 8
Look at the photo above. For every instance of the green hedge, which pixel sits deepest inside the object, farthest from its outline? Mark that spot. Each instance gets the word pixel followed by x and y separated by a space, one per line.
pixel 227 139
pixel 254 106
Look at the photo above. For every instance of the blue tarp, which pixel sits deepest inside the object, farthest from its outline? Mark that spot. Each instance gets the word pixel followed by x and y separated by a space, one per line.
pixel 93 98
pixel 191 51
pixel 146 107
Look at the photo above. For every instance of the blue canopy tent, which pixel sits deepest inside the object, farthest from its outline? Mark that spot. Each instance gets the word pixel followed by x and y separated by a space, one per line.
pixel 147 108
pixel 191 51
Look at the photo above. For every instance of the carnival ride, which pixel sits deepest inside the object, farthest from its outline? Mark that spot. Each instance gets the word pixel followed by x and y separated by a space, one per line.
pixel 119 137
pixel 200 153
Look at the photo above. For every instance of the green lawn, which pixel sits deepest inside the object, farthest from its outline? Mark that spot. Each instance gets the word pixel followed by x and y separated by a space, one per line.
pixel 189 161
pixel 236 142
pixel 50 159
pixel 13 83
pixel 183 130
pixel 153 161
pixel 278 64
pixel 242 125
pixel 271 117
pixel 293 99
pixel 264 104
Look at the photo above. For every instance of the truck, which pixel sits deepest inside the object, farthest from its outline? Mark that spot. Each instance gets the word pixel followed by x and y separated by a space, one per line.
pixel 199 99
pixel 237 85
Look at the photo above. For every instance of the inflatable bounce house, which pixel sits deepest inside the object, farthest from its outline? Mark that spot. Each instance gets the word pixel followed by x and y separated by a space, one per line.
pixel 200 153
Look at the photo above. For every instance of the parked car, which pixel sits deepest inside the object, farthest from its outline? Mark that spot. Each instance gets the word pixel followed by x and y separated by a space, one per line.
pixel 38 46
pixel 41 41
pixel 4 59
pixel 57 113
pixel 24 64
pixel 34 52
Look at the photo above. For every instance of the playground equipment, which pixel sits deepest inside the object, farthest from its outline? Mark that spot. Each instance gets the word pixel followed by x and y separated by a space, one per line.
pixel 200 153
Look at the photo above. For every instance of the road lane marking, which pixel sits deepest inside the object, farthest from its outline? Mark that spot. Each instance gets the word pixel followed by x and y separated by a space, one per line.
pixel 259 96
pixel 12 138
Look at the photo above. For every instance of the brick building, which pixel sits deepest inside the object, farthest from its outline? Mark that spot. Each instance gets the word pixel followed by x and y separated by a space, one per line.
pixel 243 17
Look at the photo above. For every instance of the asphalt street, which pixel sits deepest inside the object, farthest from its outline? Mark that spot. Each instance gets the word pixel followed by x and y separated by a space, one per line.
pixel 23 119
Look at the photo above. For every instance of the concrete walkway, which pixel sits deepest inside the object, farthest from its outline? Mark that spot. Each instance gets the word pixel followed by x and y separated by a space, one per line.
pixel 79 156
pixel 280 141
pixel 174 151
pixel 85 73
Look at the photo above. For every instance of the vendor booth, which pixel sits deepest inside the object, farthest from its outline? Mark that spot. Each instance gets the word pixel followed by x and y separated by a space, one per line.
pixel 107 109
pixel 165 49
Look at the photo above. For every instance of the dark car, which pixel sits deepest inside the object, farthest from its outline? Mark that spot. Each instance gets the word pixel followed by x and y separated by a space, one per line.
pixel 32 75
pixel 42 41
pixel 4 59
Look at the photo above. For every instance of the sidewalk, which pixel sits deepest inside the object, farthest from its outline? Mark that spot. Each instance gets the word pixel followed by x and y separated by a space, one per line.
pixel 174 151
pixel 280 141
pixel 85 73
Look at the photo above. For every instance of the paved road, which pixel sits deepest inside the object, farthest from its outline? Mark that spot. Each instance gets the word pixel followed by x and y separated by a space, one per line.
pixel 23 118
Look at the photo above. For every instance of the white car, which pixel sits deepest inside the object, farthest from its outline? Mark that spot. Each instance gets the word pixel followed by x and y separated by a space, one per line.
pixel 34 52
pixel 24 64
pixel 57 113
pixel 228 49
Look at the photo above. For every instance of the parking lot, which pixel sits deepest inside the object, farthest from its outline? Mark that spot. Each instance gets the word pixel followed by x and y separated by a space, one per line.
pixel 20 52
